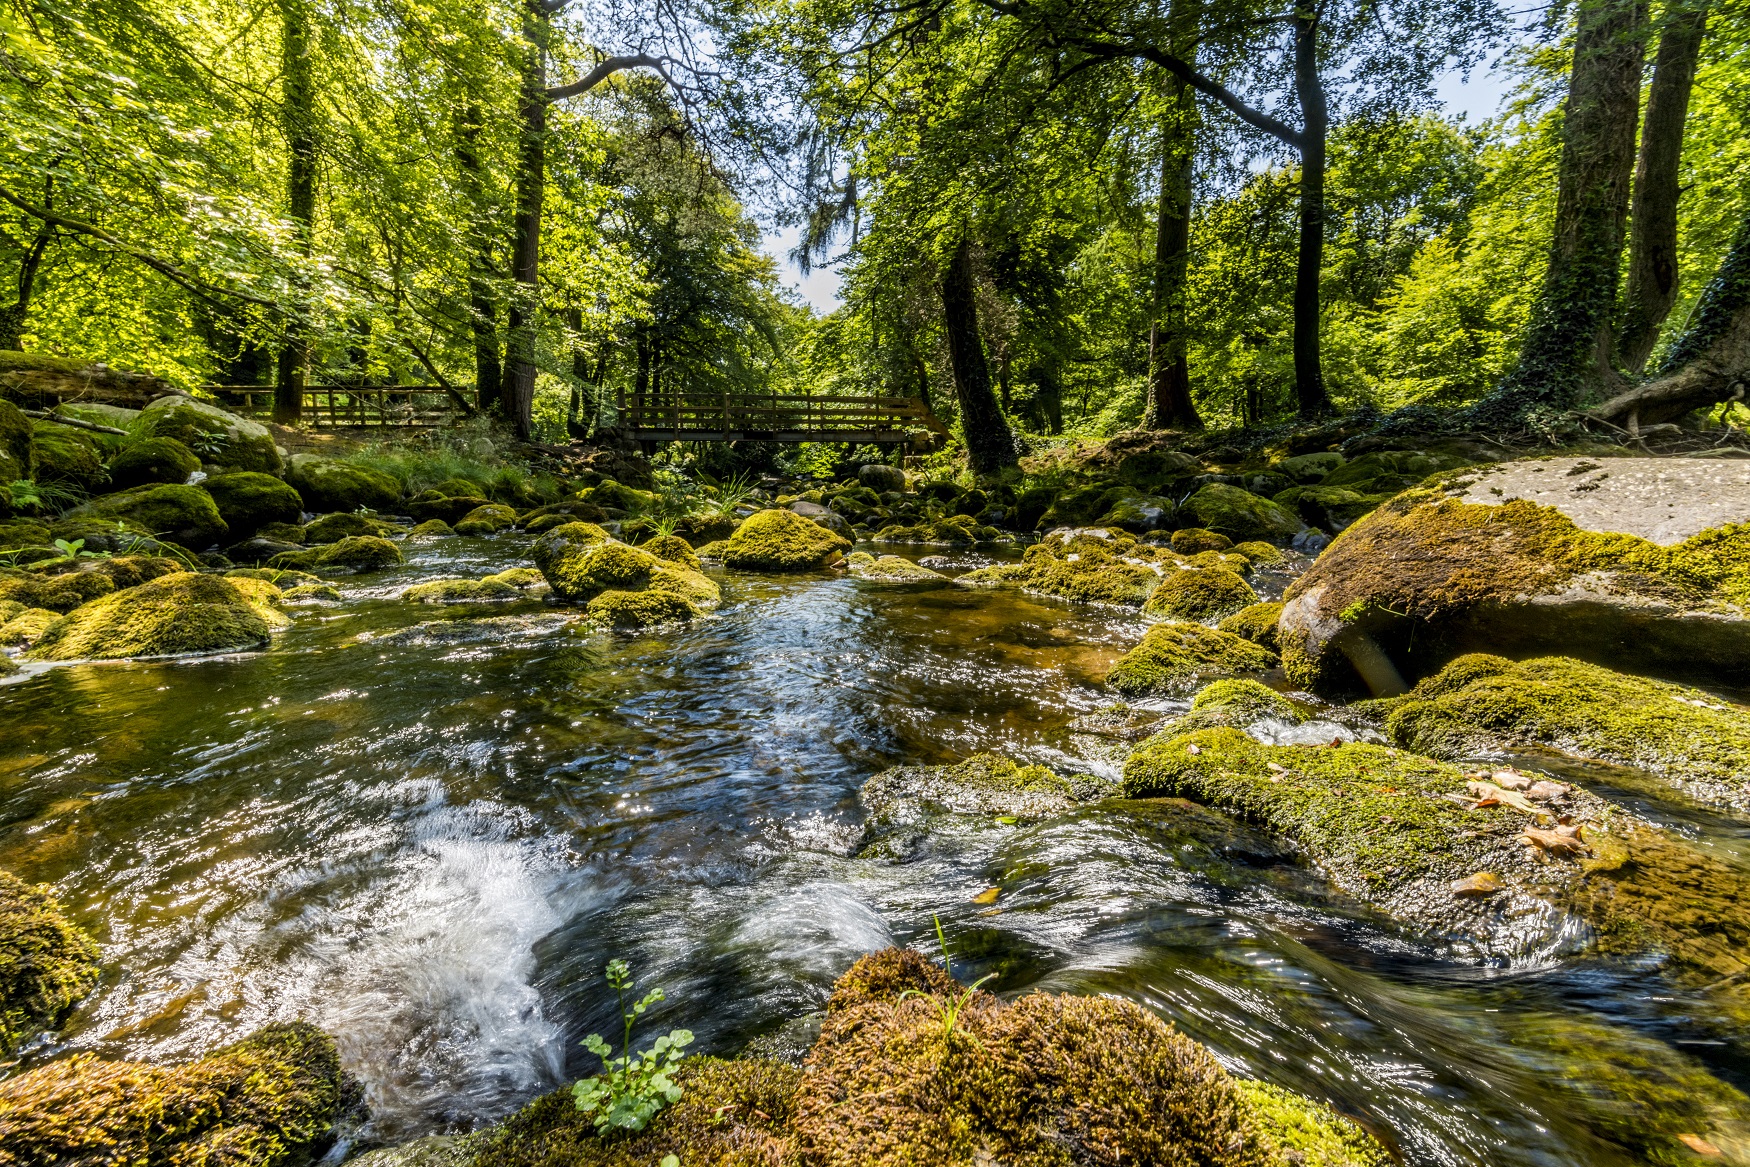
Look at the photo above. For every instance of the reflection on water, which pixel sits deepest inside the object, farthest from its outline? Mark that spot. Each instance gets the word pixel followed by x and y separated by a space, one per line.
pixel 428 833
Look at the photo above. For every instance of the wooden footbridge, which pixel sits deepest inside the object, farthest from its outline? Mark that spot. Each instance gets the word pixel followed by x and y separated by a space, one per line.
pixel 645 417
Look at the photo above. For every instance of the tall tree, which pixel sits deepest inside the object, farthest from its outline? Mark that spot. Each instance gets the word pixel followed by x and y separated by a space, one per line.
pixel 1169 403
pixel 990 445
pixel 298 118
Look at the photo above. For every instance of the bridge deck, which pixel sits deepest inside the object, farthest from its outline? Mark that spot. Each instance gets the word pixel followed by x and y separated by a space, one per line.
pixel 340 406
pixel 768 417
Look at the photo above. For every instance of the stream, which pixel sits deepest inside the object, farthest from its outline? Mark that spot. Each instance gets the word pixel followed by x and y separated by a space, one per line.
pixel 428 831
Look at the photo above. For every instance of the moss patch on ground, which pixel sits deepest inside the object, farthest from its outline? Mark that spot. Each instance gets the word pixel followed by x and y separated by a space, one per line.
pixel 783 541
pixel 174 615
pixel 1479 704
pixel 46 964
pixel 270 1100
pixel 1177 658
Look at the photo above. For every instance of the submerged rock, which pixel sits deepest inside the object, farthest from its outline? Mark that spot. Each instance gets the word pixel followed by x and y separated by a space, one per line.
pixel 270 1100
pixel 182 514
pixel 1480 704
pixel 354 553
pixel 175 615
pixel 434 529
pixel 46 964
pixel 1200 594
pixel 1454 567
pixel 1414 838
pixel 1177 658
pixel 517 583
pixel 982 784
pixel 783 541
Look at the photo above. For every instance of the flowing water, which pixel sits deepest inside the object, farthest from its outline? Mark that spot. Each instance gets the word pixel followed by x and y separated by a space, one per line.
pixel 427 832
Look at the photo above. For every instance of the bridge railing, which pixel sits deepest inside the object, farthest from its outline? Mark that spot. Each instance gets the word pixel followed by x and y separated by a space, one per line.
pixel 340 406
pixel 773 417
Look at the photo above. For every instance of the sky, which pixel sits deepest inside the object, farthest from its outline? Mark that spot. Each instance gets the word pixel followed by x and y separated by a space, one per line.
pixel 1477 97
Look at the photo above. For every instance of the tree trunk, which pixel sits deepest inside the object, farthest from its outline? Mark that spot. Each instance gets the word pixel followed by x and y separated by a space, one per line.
pixel 990 447
pixel 1309 375
pixel 922 375
pixel 1710 362
pixel 14 318
pixel 575 426
pixel 518 393
pixel 1169 404
pixel 1652 256
pixel 1565 358
pixel 298 102
pixel 482 306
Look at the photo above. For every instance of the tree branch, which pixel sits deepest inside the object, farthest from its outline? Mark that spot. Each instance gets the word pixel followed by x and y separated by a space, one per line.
pixel 607 69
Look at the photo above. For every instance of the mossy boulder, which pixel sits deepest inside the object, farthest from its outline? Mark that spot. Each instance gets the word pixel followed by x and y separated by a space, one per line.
pixel 1453 567
pixel 115 536
pixel 673 549
pixel 122 571
pixel 1091 565
pixel 1239 704
pixel 1389 471
pixel 270 1100
pixel 279 578
pixel 1334 508
pixel 435 506
pixel 181 514
pixel 1259 554
pixel 1309 468
pixel 891 569
pixel 984 784
pixel 1482 704
pixel 151 462
pixel 622 586
pixel 311 594
pixel 1493 878
pixel 326 485
pixel 25 627
pixel 183 614
pixel 1137 513
pixel 1177 658
pixel 1256 623
pixel 431 529
pixel 514 584
pixel 1199 594
pixel 1239 514
pixel 46 964
pixel 248 501
pixel 783 541
pixel 355 553
pixel 701 529
pixel 67 457
pixel 57 593
pixel 952 531
pixel 333 528
pixel 222 440
pixel 487 519
pixel 15 443
pixel 17 533
pixel 97 413
pixel 1195 540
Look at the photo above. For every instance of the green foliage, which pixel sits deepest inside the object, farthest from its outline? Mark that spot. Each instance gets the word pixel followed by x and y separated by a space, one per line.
pixel 631 1090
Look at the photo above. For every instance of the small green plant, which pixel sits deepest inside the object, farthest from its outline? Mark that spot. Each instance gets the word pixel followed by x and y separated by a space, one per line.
pixel 76 550
pixel 664 526
pixel 953 1006
pixel 733 493
pixel 631 1090
pixel 24 494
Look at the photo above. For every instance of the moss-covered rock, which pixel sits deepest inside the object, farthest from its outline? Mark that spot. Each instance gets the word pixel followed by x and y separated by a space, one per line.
pixel 248 501
pixel 279 577
pixel 22 629
pixel 18 533
pixel 1193 540
pixel 122 571
pixel 1137 513
pixel 581 562
pixel 891 569
pixel 1092 565
pixel 282 532
pixel 1200 594
pixel 1239 514
pixel 488 519
pixel 222 440
pixel 1435 573
pixel 311 594
pixel 673 549
pixel 182 514
pixel 1479 704
pixel 435 506
pixel 1332 507
pixel 326 485
pixel 152 462
pixel 783 541
pixel 431 529
pixel 175 615
pixel 341 525
pixel 67 457
pixel 515 584
pixel 1256 623
pixel 271 1100
pixel 115 536
pixel 97 413
pixel 1401 832
pixel 1239 704
pixel 952 531
pixel 15 441
pixel 1177 658
pixel 57 593
pixel 1260 554
pixel 984 784
pixel 355 553
pixel 46 964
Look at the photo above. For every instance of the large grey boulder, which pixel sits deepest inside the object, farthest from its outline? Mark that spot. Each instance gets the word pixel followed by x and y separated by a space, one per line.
pixel 1639 564
pixel 222 440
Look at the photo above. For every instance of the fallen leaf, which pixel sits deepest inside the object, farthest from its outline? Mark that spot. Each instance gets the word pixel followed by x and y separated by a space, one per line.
pixel 1510 780
pixel 1008 820
pixel 1511 797
pixel 1554 843
pixel 1335 742
pixel 1193 748
pixel 987 896
pixel 1485 803
pixel 1276 766
pixel 1544 791
pixel 1698 1144
pixel 1483 883
pixel 1571 830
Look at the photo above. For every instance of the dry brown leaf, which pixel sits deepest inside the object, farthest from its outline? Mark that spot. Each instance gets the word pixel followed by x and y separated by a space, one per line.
pixel 1699 1145
pixel 1193 748
pixel 1511 798
pixel 987 896
pixel 1483 883
pixel 1484 803
pixel 1510 780
pixel 1544 791
pixel 1554 843
pixel 1571 830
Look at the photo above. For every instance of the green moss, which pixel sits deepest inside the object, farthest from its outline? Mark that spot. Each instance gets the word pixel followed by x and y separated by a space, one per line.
pixel 558 554
pixel 1244 698
pixel 1090 566
pixel 673 549
pixel 353 553
pixel 982 784
pixel 122 571
pixel 953 531
pixel 311 593
pixel 488 519
pixel 266 600
pixel 460 488
pixel 175 615
pixel 15 435
pixel 461 591
pixel 783 541
pixel 222 440
pixel 16 533
pixel 66 456
pixel 1331 507
pixel 714 550
pixel 1191 540
pixel 282 578
pixel 634 588
pixel 1305 1133
pixel 1479 704
pixel 345 524
pixel 431 529
pixel 182 514
pixel 25 626
pixel 248 501
pixel 1200 594
pixel 1175 658
pixel 1259 553
pixel 270 1100
pixel 1239 514
pixel 327 485
pixel 282 532
pixel 1256 623
pixel 640 609
pixel 892 569
pixel 57 593
pixel 521 578
pixel 46 964
pixel 152 461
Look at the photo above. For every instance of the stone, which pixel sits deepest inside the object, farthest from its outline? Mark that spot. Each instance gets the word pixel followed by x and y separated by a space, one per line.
pixel 622 586
pixel 183 614
pixel 1195 540
pixel 1138 513
pixel 181 514
pixel 984 784
pixel 151 461
pixel 783 541
pixel 1309 468
pixel 222 441
pixel 487 519
pixel 1178 658
pixel 15 441
pixel 326 485
pixel 23 629
pixel 355 553
pixel 891 569
pixel 1239 514
pixel 248 501
pixel 1090 565
pixel 1200 594
pixel 67 457
pixel 1256 623
pixel 1333 508
pixel 881 478
pixel 1452 567
pixel 342 524
pixel 47 963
